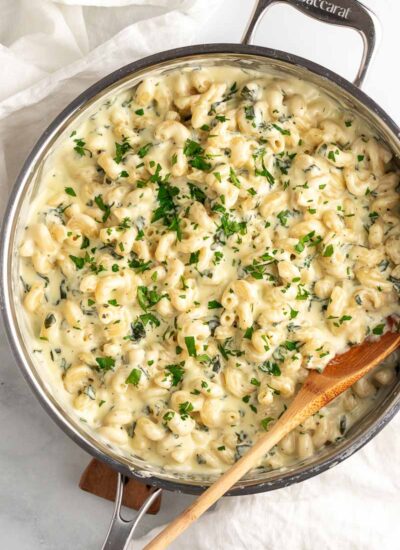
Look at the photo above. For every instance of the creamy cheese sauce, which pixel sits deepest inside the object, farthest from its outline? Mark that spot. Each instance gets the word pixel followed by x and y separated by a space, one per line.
pixel 198 244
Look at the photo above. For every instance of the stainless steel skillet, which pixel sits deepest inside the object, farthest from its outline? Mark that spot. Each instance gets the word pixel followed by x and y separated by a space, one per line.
pixel 339 12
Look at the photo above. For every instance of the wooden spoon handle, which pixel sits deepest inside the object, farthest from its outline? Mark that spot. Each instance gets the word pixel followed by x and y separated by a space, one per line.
pixel 316 392
pixel 292 418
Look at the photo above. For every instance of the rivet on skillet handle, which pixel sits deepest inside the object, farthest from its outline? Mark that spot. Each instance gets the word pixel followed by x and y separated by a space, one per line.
pixel 345 13
pixel 121 531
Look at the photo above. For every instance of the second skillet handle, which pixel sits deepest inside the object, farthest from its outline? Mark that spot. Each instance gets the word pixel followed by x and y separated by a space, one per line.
pixel 345 13
pixel 121 531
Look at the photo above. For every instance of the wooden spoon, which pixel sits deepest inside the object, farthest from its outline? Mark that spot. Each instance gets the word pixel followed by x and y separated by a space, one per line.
pixel 318 390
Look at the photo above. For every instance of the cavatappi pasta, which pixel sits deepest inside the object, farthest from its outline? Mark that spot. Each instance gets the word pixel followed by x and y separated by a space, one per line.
pixel 196 245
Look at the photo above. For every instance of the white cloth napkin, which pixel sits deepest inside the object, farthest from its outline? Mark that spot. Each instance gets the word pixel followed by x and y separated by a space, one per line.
pixel 49 52
pixel 355 506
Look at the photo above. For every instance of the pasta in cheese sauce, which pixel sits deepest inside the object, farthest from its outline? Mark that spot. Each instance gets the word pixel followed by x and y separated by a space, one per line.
pixel 199 243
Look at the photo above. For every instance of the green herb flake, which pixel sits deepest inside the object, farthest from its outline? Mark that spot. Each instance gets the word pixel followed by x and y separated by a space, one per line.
pixel 191 345
pixel 79 262
pixel 196 193
pixel 70 191
pixel 233 178
pixel 80 147
pixel 378 330
pixel 195 152
pixel 281 130
pixel 293 313
pixel 248 333
pixel 134 377
pixel 105 363
pixel 185 408
pixel 143 151
pixel 265 422
pixel 149 319
pixel 176 372
pixel 121 150
pixel 213 304
pixel 147 298
pixel 106 208
pixel 328 252
pixel 270 367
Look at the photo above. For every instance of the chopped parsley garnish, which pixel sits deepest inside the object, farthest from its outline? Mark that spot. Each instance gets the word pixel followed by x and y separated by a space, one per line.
pixel 196 193
pixel 309 240
pixel 290 346
pixel 283 217
pixel 265 422
pixel 281 130
pixel 378 330
pixel 176 372
pixel 149 319
pixel 138 265
pixel 194 257
pixel 328 251
pixel 121 150
pixel 184 409
pixel 191 345
pixel 106 208
pixel 80 147
pixel 260 168
pixel 270 368
pixel 139 112
pixel 213 304
pixel 105 363
pixel 168 416
pixel 79 262
pixel 226 351
pixel 70 191
pixel 134 377
pixel 85 242
pixel 217 257
pixel 258 269
pixel 167 210
pixel 293 313
pixel 230 227
pixel 195 152
pixel 147 298
pixel 143 151
pixel 302 293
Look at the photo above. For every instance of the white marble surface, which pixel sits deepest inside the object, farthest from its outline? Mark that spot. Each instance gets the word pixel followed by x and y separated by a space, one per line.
pixel 41 506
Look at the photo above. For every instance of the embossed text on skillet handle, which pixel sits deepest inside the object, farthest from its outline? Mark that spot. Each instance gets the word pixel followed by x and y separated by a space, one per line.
pixel 347 13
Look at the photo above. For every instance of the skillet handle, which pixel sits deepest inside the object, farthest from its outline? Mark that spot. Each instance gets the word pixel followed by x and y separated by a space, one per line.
pixel 121 530
pixel 345 13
